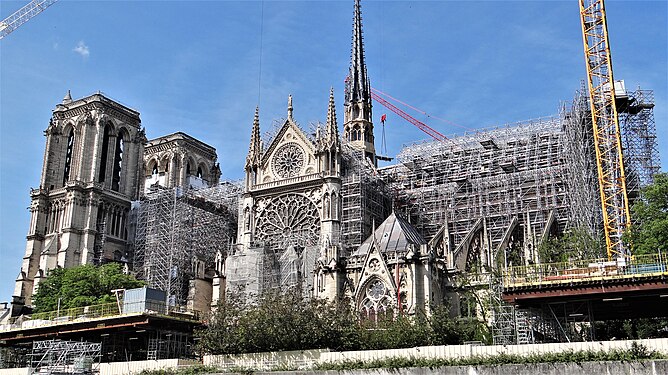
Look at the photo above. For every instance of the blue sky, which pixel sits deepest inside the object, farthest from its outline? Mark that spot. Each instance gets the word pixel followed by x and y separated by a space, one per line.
pixel 202 67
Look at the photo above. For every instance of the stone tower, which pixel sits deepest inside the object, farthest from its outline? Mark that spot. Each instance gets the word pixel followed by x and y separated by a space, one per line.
pixel 91 172
pixel 357 120
pixel 180 160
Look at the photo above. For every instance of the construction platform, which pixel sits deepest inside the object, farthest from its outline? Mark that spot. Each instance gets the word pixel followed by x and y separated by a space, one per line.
pixel 150 333
pixel 633 288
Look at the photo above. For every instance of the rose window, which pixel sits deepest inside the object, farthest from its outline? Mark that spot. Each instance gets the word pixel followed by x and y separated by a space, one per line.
pixel 289 220
pixel 377 300
pixel 288 161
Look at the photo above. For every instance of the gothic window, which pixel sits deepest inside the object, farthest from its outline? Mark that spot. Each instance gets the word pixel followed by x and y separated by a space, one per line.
pixel 357 133
pixel 288 161
pixel 187 168
pixel 377 301
pixel 103 157
pixel 68 156
pixel 288 220
pixel 199 172
pixel 118 163
pixel 154 169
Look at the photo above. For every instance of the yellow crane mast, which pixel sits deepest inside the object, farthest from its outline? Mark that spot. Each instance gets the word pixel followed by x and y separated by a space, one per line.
pixel 607 137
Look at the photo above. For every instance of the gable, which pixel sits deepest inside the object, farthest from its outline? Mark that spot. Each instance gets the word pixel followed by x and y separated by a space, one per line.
pixel 290 154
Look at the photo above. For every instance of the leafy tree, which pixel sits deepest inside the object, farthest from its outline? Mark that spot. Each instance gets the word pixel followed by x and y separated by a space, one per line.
pixel 81 286
pixel 276 322
pixel 575 243
pixel 649 234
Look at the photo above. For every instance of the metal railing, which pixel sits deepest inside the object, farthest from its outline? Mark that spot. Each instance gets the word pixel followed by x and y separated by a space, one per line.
pixel 107 310
pixel 584 270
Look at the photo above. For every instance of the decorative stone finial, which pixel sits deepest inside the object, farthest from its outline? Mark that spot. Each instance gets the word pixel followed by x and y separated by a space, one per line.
pixel 68 98
pixel 290 107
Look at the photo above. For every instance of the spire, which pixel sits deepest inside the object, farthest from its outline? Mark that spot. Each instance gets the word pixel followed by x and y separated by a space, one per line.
pixel 290 107
pixel 254 149
pixel 357 84
pixel 68 98
pixel 332 128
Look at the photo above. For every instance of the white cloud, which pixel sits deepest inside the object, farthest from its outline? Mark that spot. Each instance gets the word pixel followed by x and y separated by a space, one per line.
pixel 82 49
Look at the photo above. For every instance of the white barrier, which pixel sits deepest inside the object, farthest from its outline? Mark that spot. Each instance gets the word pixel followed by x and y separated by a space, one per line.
pixel 14 371
pixel 134 367
pixel 308 358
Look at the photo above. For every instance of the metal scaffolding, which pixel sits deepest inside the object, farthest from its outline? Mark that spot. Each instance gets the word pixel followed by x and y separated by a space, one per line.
pixel 365 199
pixel 65 357
pixel 179 230
pixel 502 191
pixel 511 177
pixel 641 157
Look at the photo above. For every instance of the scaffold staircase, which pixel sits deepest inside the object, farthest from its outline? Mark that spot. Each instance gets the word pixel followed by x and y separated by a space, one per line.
pixel 523 327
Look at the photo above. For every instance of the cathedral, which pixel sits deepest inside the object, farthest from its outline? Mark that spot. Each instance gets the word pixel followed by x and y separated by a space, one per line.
pixel 316 216
pixel 314 212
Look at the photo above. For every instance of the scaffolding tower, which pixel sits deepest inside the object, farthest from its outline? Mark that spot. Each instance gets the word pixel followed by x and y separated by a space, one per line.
pixel 641 156
pixel 65 357
pixel 365 199
pixel 178 230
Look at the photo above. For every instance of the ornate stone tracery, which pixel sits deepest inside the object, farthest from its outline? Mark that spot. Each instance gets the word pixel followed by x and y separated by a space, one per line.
pixel 376 301
pixel 288 160
pixel 289 220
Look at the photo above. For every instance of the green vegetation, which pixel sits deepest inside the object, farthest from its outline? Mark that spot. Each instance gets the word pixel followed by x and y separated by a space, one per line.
pixel 189 370
pixel 81 286
pixel 632 329
pixel 278 322
pixel 649 234
pixel 635 353
pixel 576 243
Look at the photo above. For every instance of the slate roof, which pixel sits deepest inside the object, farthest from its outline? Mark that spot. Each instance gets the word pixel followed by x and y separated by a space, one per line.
pixel 394 234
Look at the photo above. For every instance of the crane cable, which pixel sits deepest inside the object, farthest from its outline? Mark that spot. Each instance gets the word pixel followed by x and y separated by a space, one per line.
pixel 418 110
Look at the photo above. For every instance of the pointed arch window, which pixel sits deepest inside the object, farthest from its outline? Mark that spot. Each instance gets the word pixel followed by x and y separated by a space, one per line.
pixel 154 169
pixel 118 163
pixel 68 156
pixel 103 157
pixel 199 172
pixel 376 304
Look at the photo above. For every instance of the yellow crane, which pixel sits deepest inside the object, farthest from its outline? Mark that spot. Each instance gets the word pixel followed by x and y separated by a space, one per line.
pixel 607 137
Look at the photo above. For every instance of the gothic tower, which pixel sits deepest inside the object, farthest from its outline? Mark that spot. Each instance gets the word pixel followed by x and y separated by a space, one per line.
pixel 357 121
pixel 91 172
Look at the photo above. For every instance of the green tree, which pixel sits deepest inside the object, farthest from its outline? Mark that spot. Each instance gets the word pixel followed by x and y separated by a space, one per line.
pixel 81 286
pixel 276 322
pixel 649 234
pixel 575 243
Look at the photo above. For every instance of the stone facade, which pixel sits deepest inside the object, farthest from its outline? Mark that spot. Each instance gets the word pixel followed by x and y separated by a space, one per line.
pixel 91 173
pixel 180 160
pixel 305 195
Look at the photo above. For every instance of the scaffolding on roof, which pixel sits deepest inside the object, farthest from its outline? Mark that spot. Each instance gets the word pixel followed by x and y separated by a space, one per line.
pixel 365 199
pixel 511 176
pixel 178 230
